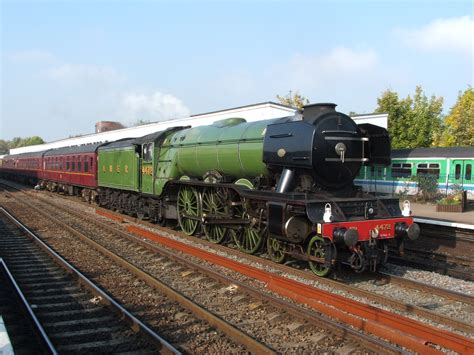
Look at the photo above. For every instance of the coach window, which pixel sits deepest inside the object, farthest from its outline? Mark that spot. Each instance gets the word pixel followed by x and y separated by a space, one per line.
pixel 67 165
pixel 428 169
pixel 78 166
pixel 379 171
pixel 402 170
pixel 457 171
pixel 86 166
pixel 468 172
pixel 73 164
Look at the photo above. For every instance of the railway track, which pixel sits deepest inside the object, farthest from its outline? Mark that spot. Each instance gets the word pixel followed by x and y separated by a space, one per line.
pixel 24 330
pixel 189 326
pixel 280 324
pixel 445 250
pixel 406 306
pixel 70 314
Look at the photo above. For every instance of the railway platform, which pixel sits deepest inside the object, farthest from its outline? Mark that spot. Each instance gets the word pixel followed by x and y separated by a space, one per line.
pixel 426 213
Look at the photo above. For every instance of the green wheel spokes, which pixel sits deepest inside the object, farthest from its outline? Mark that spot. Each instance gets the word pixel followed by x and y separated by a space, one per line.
pixel 316 249
pixel 250 238
pixel 214 206
pixel 276 250
pixel 188 209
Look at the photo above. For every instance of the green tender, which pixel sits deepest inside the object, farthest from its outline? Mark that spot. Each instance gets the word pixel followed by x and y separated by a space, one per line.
pixel 118 168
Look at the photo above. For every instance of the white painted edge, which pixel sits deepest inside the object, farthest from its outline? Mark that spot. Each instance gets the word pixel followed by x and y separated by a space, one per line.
pixel 5 344
pixel 444 223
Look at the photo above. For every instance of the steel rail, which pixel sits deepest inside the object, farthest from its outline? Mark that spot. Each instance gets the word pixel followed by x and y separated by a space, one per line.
pixel 234 333
pixel 135 324
pixel 417 285
pixel 43 338
pixel 445 270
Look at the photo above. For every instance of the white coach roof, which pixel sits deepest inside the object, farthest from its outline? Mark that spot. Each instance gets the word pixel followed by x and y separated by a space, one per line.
pixel 251 113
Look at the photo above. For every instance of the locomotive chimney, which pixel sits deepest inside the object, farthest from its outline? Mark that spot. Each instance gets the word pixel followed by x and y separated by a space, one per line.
pixel 313 111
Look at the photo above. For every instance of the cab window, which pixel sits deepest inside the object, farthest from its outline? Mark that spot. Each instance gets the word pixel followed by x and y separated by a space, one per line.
pixel 148 152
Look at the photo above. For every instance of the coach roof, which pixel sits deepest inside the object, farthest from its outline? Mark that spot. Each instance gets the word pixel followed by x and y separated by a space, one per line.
pixel 80 149
pixel 448 152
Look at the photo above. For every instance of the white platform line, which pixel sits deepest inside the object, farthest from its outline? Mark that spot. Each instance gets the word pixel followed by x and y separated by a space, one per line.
pixel 444 223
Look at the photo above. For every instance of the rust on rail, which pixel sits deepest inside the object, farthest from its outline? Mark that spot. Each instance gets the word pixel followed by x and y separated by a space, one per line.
pixel 112 216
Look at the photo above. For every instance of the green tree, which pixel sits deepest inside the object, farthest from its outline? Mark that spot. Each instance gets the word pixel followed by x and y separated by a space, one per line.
pixel 32 141
pixel 293 100
pixel 18 142
pixel 459 124
pixel 3 146
pixel 412 122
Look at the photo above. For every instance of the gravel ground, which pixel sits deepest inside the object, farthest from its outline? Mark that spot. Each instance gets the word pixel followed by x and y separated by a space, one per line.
pixel 432 278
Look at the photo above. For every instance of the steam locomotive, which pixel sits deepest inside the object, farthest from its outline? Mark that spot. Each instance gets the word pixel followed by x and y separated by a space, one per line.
pixel 281 186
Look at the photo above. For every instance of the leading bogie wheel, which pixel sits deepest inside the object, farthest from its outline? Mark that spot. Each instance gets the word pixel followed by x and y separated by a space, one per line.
pixel 276 250
pixel 317 249
pixel 189 209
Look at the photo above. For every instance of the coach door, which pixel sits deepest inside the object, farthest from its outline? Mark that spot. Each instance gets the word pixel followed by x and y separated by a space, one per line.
pixel 461 172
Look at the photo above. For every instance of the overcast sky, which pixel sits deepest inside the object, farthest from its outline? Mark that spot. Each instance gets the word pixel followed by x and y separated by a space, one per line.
pixel 67 64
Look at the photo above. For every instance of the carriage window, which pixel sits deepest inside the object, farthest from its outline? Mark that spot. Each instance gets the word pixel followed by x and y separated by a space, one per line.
pixel 78 166
pixel 86 167
pixel 468 172
pixel 457 171
pixel 73 166
pixel 67 165
pixel 91 162
pixel 401 170
pixel 428 169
